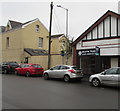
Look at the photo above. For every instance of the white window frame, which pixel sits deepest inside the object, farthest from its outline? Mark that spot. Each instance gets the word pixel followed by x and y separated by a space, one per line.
pixel 37 28
pixel 40 42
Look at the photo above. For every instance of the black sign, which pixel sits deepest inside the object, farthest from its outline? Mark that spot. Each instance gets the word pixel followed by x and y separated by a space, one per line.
pixel 95 51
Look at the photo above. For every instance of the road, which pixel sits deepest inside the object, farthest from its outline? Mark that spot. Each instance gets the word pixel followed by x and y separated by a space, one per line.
pixel 19 92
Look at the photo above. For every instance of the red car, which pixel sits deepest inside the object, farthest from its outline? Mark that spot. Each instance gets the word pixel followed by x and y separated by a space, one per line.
pixel 29 69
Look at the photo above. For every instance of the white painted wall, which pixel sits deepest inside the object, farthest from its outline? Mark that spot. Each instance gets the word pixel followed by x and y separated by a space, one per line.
pixel 114 62
pixel 107 27
pixel 113 26
pixel 107 47
pixel 119 27
pixel 100 30
pixel 95 33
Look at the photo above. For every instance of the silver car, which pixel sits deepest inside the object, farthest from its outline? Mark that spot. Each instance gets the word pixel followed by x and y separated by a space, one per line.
pixel 64 71
pixel 108 77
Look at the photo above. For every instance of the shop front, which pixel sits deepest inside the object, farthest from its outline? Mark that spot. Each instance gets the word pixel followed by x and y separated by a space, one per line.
pixel 97 49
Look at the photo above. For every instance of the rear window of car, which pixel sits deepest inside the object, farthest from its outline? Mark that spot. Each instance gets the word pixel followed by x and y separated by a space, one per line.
pixel 13 64
pixel 36 66
pixel 76 68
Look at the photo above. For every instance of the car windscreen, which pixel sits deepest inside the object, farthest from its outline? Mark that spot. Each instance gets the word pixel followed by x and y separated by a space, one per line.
pixel 36 66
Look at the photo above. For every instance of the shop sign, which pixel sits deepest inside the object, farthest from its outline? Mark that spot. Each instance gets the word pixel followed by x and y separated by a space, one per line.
pixel 95 51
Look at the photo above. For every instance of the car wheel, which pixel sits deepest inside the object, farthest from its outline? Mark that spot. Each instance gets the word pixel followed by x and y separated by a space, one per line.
pixel 95 82
pixel 5 71
pixel 66 78
pixel 27 74
pixel 46 76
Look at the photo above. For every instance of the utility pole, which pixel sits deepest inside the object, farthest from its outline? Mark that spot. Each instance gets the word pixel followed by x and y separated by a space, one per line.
pixel 49 46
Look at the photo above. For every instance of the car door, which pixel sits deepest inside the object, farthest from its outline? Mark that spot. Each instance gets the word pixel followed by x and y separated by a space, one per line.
pixel 26 68
pixel 110 76
pixel 54 72
pixel 21 69
pixel 117 77
pixel 62 71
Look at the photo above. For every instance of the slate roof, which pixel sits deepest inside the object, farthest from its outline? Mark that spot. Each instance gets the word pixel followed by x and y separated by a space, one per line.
pixel 2 29
pixel 57 36
pixel 35 52
pixel 15 24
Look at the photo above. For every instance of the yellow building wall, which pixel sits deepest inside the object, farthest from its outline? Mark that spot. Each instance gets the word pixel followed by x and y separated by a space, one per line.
pixel 15 50
pixel 41 60
pixel 21 38
pixel 55 60
pixel 56 45
pixel 30 36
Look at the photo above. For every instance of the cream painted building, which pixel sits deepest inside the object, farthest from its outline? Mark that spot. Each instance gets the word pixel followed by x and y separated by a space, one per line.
pixel 28 43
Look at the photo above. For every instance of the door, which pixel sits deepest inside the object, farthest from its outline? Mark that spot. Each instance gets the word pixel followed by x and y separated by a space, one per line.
pixel 63 70
pixel 110 76
pixel 21 69
pixel 106 63
pixel 54 72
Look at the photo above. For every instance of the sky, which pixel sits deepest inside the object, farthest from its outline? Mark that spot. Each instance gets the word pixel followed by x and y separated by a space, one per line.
pixel 81 13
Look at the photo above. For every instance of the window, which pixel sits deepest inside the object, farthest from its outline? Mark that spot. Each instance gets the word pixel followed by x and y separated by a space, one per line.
pixel 111 71
pixel 118 72
pixel 56 68
pixel 63 44
pixel 22 66
pixel 7 42
pixel 36 66
pixel 40 42
pixel 37 28
pixel 64 67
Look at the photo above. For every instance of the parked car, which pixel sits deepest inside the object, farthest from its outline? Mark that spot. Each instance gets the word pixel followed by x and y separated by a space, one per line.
pixel 29 69
pixel 9 67
pixel 0 68
pixel 108 77
pixel 64 71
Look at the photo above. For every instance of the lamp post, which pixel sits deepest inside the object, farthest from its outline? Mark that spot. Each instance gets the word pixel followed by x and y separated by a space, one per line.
pixel 66 19
pixel 66 33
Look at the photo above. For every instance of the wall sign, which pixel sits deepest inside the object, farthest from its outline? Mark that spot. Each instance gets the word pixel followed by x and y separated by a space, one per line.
pixel 95 51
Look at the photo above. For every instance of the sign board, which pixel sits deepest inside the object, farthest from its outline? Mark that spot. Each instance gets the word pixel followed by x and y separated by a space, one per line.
pixel 95 51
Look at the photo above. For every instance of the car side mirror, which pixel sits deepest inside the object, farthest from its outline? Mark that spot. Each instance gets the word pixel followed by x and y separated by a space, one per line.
pixel 103 73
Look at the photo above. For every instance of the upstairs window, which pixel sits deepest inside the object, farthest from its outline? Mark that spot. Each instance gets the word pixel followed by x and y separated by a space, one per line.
pixel 37 28
pixel 40 42
pixel 7 42
pixel 63 45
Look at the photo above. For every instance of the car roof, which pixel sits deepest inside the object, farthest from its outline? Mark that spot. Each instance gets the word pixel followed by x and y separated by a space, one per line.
pixel 65 65
pixel 29 64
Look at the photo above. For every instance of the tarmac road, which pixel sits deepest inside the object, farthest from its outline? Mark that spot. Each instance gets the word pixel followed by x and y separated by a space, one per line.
pixel 19 92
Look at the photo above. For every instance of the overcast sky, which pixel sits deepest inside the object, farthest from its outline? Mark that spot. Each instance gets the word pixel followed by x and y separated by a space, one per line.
pixel 82 14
